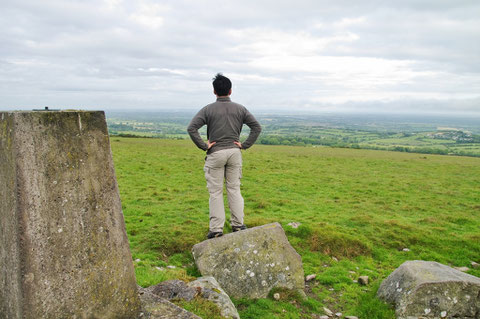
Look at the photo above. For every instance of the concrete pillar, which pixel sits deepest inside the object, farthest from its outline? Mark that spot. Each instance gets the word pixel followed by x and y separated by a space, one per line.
pixel 64 251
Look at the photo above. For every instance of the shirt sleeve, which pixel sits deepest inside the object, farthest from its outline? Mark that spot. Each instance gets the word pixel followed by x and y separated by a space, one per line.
pixel 255 129
pixel 197 122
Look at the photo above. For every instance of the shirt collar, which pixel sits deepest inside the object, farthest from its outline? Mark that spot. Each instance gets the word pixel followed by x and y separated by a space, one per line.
pixel 223 99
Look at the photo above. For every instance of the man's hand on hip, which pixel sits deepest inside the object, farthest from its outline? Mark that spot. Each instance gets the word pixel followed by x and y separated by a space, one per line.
pixel 238 144
pixel 209 145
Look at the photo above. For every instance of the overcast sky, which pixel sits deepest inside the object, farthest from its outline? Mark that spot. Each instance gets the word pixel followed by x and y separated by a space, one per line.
pixel 361 56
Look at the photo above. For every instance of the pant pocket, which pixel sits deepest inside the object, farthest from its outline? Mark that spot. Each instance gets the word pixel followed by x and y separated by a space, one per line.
pixel 206 171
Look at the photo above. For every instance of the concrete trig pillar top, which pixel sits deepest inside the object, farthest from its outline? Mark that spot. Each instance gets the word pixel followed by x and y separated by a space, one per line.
pixel 64 252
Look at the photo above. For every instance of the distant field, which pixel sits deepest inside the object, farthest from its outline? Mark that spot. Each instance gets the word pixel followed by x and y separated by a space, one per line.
pixel 450 136
pixel 360 206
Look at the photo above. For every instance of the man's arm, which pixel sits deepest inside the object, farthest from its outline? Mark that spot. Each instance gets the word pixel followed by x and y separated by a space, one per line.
pixel 197 122
pixel 255 130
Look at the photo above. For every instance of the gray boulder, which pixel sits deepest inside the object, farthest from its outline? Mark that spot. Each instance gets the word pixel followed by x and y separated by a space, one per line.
pixel 251 262
pixel 209 289
pixel 204 287
pixel 431 290
pixel 155 307
pixel 173 289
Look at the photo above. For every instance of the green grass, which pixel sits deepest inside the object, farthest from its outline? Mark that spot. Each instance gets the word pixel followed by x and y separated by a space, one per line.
pixel 360 206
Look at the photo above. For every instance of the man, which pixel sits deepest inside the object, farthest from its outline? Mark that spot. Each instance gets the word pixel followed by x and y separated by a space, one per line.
pixel 224 120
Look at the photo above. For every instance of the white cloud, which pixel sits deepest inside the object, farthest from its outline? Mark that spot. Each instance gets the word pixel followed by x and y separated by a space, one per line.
pixel 150 15
pixel 348 22
pixel 268 42
pixel 315 53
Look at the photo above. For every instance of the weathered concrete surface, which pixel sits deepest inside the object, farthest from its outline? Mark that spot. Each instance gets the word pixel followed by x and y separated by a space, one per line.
pixel 425 289
pixel 64 252
pixel 251 262
pixel 155 307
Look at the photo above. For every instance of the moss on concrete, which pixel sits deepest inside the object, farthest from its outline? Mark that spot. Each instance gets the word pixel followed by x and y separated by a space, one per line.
pixel 74 253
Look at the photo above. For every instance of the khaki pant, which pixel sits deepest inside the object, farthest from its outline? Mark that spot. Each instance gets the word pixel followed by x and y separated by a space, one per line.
pixel 226 163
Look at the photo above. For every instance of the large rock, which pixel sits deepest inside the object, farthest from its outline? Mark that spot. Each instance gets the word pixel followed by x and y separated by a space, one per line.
pixel 251 262
pixel 64 251
pixel 155 307
pixel 209 289
pixel 431 290
pixel 173 289
pixel 204 287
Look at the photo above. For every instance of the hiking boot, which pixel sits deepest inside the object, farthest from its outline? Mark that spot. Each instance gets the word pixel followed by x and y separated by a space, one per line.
pixel 212 234
pixel 237 228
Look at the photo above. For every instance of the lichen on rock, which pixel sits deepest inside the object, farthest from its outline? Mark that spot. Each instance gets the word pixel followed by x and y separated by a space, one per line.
pixel 250 263
pixel 429 289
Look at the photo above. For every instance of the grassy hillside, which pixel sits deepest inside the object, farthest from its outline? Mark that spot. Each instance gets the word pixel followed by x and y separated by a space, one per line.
pixel 358 210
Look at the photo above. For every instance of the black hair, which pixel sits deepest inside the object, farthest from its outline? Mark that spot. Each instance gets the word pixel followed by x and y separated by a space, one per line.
pixel 221 84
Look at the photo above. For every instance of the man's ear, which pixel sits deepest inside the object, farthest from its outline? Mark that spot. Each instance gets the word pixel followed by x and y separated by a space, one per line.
pixel 214 92
pixel 230 92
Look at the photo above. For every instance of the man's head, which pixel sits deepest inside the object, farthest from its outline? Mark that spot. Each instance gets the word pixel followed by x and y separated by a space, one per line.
pixel 222 85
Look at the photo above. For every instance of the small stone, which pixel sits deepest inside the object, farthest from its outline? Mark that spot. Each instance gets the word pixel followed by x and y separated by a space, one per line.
pixel 339 314
pixel 351 317
pixel 443 314
pixel 137 260
pixel 310 277
pixel 294 224
pixel 160 268
pixel 328 312
pixel 464 269
pixel 406 249
pixel 334 258
pixel 276 296
pixel 323 317
pixel 363 280
pixel 171 267
pixel 474 265
pixel 352 272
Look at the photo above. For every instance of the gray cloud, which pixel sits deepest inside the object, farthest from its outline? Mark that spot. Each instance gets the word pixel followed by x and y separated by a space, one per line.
pixel 311 55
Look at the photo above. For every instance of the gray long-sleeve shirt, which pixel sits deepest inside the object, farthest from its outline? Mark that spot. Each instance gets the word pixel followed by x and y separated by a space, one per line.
pixel 224 120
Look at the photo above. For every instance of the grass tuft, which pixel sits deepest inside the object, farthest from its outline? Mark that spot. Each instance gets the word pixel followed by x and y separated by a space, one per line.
pixel 334 243
pixel 201 307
